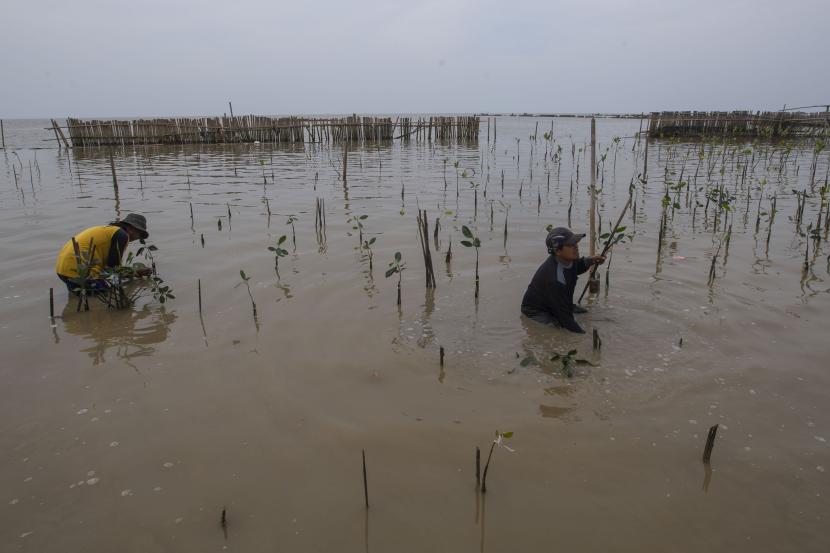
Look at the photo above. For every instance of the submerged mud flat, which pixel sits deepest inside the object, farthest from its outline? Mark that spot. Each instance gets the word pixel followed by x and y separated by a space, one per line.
pixel 132 430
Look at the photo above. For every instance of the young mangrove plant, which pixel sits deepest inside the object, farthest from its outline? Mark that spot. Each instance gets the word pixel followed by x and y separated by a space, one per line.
pixel 499 441
pixel 143 280
pixel 568 362
pixel 396 266
pixel 367 245
pixel 279 251
pixel 357 224
pixel 245 281
pixel 473 242
pixel 291 220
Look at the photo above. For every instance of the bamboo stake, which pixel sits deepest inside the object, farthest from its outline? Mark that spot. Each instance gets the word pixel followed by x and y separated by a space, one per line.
pixel 478 467
pixel 593 218
pixel 365 484
pixel 112 168
pixel 710 444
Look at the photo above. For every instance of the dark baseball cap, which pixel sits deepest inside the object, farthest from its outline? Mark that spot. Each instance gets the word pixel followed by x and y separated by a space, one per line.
pixel 561 236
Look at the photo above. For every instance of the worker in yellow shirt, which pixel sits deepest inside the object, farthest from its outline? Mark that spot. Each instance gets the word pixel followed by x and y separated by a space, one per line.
pixel 102 246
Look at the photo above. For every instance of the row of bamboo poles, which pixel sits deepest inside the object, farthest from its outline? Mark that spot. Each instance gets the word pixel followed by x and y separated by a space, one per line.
pixel 254 128
pixel 738 123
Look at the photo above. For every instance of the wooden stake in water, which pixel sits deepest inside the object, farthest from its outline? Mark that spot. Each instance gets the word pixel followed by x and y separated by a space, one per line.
pixel 345 161
pixel 592 249
pixel 365 485
pixel 52 307
pixel 440 353
pixel 2 134
pixel 478 467
pixel 597 341
pixel 710 443
pixel 199 282
pixel 112 168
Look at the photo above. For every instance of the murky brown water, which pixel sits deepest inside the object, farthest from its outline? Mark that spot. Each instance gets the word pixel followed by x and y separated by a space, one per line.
pixel 130 431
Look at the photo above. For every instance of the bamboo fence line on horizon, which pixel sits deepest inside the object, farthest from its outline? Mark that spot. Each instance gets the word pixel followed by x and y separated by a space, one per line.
pixel 738 123
pixel 255 128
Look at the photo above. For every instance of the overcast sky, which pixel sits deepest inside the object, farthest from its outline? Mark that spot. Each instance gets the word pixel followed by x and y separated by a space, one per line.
pixel 180 57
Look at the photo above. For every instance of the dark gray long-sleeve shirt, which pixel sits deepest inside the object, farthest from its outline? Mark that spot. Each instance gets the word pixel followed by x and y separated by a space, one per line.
pixel 551 291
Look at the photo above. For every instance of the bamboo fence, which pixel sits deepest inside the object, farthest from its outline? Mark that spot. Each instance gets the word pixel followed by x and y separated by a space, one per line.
pixel 255 128
pixel 738 123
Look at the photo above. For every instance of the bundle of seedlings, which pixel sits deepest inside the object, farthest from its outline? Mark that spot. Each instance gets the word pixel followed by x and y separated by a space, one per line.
pixel 125 283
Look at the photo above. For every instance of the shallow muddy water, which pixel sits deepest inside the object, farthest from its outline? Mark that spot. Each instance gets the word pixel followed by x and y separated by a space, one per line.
pixel 132 430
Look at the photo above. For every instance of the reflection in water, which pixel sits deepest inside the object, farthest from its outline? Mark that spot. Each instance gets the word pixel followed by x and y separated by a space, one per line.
pixel 707 476
pixel 552 412
pixel 131 333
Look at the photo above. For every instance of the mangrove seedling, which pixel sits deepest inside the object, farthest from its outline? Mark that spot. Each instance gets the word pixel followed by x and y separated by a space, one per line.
pixel 473 242
pixel 367 245
pixel 396 266
pixel 499 441
pixel 291 220
pixel 279 251
pixel 568 361
pixel 357 224
pixel 245 280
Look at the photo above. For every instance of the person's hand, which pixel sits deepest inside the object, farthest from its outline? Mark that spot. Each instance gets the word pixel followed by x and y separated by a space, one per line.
pixel 598 260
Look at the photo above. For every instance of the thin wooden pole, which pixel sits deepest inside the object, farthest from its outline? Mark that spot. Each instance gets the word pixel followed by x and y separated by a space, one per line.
pixel 478 467
pixel 345 161
pixel 112 168
pixel 365 485
pixel 52 303
pixel 710 444
pixel 593 231
pixel 2 134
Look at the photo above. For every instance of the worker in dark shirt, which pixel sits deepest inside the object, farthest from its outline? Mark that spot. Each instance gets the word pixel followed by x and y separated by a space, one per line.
pixel 549 297
pixel 103 247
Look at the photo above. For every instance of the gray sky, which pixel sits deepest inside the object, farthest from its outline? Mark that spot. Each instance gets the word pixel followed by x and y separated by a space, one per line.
pixel 181 57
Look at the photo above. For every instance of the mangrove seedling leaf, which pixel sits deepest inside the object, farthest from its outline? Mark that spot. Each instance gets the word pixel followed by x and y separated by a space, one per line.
pixel 398 257
pixel 390 272
pixel 272 248
pixel 281 240
pixel 572 353
pixel 467 243
pixel 242 274
pixel 507 434
pixel 466 231
pixel 528 360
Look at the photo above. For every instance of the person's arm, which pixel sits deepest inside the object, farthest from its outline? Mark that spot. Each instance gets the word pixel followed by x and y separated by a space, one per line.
pixel 585 263
pixel 118 245
pixel 559 305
